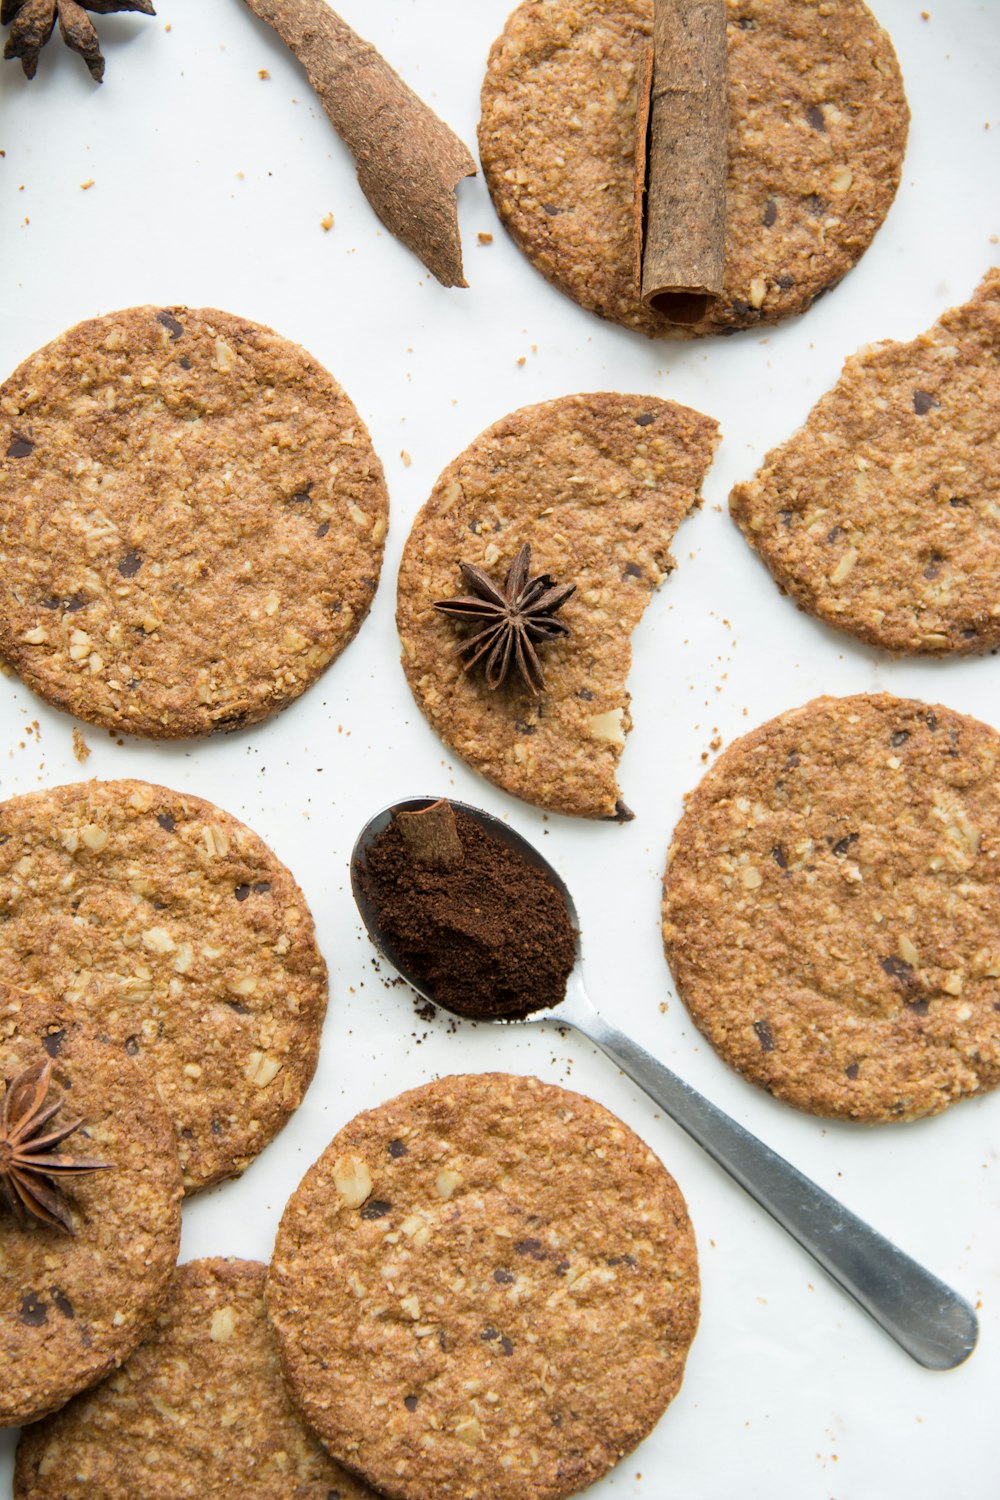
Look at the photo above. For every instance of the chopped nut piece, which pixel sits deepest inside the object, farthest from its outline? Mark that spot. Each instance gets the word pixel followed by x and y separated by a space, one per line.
pixel 352 1180
pixel 446 1183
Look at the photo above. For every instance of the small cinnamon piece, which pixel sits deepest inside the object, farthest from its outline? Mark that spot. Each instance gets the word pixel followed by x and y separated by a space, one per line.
pixel 683 257
pixel 409 162
pixel 431 835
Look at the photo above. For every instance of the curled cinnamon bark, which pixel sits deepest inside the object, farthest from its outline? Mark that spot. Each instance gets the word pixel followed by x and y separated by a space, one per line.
pixel 683 256
pixel 409 162
pixel 431 835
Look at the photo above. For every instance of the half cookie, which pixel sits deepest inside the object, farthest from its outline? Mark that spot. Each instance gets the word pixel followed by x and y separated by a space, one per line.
pixel 881 516
pixel 200 1409
pixel 488 1287
pixel 596 486
pixel 186 941
pixel 191 521
pixel 86 1258
pixel 832 909
pixel 817 130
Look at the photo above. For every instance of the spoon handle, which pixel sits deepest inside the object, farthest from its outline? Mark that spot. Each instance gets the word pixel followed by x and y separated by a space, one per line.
pixel 932 1323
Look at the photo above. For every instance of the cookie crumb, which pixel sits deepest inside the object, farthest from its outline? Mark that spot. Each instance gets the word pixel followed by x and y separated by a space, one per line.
pixel 263 74
pixel 327 222
pixel 80 747
pixel 485 239
pixel 88 184
pixel 407 460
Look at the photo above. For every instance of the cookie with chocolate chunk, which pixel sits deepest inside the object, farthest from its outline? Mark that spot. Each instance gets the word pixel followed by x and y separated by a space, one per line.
pixel 832 910
pixel 596 485
pixel 880 515
pixel 817 129
pixel 76 1300
pixel 487 1286
pixel 184 939
pixel 191 521
pixel 200 1409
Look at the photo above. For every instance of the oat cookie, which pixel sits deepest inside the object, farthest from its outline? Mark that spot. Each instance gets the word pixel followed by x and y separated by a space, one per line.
pixel 818 123
pixel 73 1306
pixel 191 521
pixel 597 484
pixel 187 942
pixel 832 908
pixel 199 1410
pixel 486 1287
pixel 880 515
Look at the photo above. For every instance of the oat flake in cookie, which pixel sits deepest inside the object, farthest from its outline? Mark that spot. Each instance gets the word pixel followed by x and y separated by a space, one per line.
pixel 74 1304
pixel 832 907
pixel 817 130
pixel 199 1410
pixel 191 521
pixel 880 515
pixel 596 485
pixel 486 1287
pixel 185 940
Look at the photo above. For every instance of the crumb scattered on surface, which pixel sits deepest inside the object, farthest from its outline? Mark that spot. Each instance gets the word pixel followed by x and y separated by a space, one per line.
pixel 88 184
pixel 485 239
pixel 80 747
pixel 327 222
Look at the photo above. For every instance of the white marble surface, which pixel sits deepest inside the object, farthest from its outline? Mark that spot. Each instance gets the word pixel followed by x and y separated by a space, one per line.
pixel 208 188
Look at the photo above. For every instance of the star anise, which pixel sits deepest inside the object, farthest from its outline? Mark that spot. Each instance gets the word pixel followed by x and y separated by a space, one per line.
pixel 32 22
pixel 31 1170
pixel 515 619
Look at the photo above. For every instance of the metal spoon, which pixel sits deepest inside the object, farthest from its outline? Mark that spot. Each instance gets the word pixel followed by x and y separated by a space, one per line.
pixel 932 1323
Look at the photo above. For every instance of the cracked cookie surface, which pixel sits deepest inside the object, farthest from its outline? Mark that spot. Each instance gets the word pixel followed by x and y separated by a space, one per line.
pixel 199 1410
pixel 186 941
pixel 597 484
pixel 880 516
pixel 832 907
pixel 191 521
pixel 817 129
pixel 487 1286
pixel 72 1307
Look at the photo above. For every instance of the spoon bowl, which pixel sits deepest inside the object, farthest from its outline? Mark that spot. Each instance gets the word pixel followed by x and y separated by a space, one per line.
pixel 496 829
pixel 932 1323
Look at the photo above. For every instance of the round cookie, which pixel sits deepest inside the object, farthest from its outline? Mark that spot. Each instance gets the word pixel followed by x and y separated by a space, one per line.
pixel 597 485
pixel 186 941
pixel 199 1410
pixel 832 908
pixel 191 521
pixel 487 1286
pixel 74 1305
pixel 880 515
pixel 818 123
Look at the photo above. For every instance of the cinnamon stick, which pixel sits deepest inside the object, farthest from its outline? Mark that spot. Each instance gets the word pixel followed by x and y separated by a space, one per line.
pixel 431 835
pixel 409 162
pixel 685 223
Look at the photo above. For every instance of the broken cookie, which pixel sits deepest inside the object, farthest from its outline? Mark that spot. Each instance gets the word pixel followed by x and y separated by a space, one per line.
pixel 880 515
pixel 595 487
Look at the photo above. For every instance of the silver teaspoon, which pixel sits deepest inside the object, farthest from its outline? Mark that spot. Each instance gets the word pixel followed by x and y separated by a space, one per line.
pixel 934 1325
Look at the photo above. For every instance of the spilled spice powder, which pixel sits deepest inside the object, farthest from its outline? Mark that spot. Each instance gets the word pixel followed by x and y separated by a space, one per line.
pixel 481 930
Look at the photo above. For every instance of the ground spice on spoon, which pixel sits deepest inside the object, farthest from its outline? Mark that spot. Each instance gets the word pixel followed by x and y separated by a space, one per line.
pixel 482 931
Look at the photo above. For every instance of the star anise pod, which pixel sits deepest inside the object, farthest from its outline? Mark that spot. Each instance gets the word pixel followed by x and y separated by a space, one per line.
pixel 515 619
pixel 32 22
pixel 31 1170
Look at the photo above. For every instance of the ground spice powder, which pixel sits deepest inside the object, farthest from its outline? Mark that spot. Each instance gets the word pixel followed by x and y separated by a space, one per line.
pixel 490 935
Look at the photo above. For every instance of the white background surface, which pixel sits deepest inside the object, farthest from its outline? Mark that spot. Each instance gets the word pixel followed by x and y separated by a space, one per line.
pixel 209 188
